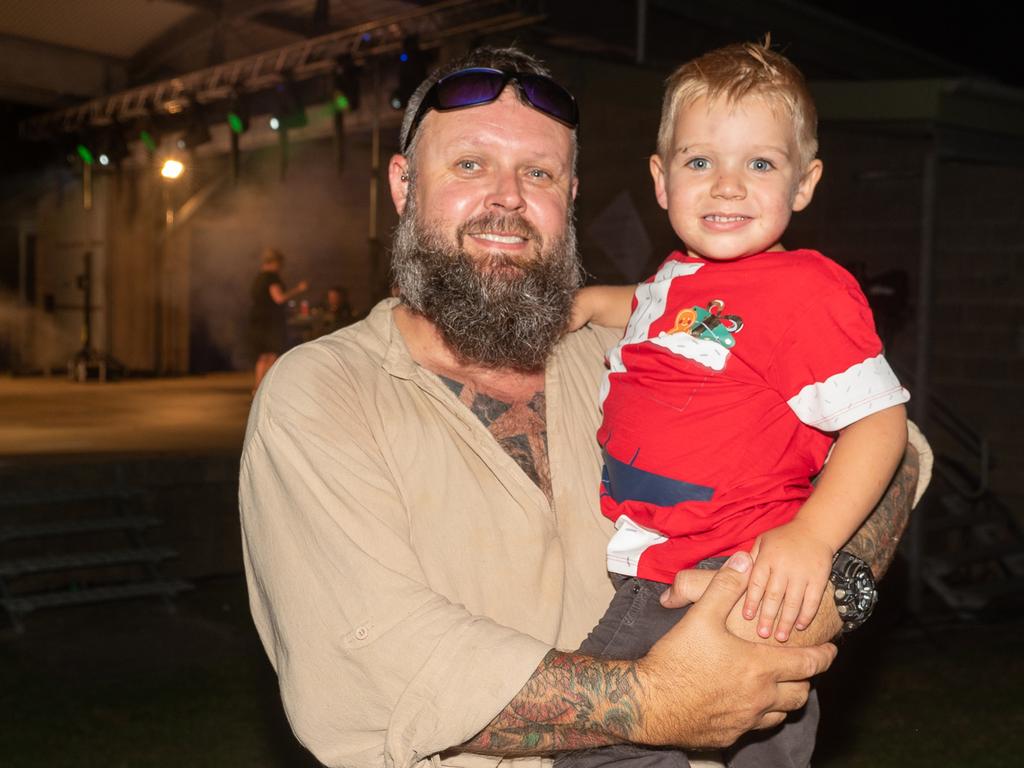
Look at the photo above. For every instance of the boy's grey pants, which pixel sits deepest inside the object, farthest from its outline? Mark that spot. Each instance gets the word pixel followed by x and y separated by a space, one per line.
pixel 632 624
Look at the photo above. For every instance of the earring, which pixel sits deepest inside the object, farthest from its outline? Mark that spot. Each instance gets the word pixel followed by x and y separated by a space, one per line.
pixel 405 177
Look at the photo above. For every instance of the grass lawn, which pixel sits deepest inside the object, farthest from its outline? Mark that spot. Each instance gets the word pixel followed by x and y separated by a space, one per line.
pixel 131 685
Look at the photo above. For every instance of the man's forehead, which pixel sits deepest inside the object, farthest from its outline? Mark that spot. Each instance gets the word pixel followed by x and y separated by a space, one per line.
pixel 505 120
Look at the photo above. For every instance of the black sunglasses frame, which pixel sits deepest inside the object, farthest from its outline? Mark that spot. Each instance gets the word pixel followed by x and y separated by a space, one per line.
pixel 522 80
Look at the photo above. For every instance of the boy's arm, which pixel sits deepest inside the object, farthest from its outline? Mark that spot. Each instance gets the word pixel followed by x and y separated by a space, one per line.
pixel 792 562
pixel 875 542
pixel 607 305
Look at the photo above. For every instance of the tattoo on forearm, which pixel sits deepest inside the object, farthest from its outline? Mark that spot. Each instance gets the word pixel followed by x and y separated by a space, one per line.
pixel 877 539
pixel 571 701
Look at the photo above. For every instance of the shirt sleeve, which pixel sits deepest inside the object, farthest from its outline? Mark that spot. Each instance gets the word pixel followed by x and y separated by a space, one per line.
pixel 374 667
pixel 828 364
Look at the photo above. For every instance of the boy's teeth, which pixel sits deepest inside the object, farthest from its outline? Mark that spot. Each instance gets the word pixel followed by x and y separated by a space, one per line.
pixel 724 219
pixel 512 239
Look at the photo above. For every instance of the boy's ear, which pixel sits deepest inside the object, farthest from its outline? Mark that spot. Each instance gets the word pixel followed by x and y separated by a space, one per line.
pixel 805 187
pixel 658 174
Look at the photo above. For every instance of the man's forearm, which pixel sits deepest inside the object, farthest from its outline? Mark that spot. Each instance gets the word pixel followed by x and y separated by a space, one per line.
pixel 571 701
pixel 876 541
pixel 698 686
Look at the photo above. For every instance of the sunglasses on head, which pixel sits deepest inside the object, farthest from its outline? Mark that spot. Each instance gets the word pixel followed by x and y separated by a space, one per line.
pixel 477 86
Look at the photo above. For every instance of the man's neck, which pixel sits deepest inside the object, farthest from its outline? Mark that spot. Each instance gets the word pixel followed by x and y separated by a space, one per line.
pixel 509 403
pixel 428 349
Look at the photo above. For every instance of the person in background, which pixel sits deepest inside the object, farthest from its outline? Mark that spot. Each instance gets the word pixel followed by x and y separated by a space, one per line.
pixel 267 332
pixel 337 312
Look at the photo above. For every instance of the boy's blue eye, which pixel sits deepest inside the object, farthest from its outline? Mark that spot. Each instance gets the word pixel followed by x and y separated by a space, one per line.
pixel 760 164
pixel 699 164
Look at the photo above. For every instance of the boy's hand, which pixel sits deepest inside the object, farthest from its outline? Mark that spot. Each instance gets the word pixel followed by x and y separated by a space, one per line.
pixel 582 309
pixel 791 569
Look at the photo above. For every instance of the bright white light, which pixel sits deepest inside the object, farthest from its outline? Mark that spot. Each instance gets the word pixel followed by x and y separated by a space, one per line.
pixel 172 169
pixel 274 123
pixel 104 160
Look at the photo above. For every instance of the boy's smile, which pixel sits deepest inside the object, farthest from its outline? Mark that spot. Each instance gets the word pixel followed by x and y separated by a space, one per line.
pixel 733 179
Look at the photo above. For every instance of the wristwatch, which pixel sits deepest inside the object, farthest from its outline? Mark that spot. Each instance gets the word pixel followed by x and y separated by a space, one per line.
pixel 855 592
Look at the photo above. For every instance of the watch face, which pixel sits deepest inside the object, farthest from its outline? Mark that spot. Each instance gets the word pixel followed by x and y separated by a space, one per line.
pixel 855 593
pixel 863 590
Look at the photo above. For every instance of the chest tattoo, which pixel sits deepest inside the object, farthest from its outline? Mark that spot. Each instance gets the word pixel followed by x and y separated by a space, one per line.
pixel 519 427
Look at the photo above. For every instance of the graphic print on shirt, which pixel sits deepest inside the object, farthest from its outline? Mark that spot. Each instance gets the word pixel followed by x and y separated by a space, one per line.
pixel 709 323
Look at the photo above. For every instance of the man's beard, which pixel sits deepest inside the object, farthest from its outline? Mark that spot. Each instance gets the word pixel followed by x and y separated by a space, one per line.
pixel 497 311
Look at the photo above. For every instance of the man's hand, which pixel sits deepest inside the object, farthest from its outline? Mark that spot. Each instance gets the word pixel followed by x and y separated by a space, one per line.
pixel 791 569
pixel 705 687
pixel 699 686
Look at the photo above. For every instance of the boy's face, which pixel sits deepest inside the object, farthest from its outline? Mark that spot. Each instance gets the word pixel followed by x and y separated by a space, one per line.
pixel 732 178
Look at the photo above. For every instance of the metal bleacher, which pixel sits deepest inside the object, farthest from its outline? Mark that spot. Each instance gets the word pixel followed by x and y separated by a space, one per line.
pixel 62 547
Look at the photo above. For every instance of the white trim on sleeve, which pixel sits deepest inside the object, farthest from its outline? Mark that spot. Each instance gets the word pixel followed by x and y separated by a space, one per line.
pixel 840 400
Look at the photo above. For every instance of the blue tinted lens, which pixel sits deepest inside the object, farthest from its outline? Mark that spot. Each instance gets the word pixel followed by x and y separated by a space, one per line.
pixel 551 98
pixel 469 88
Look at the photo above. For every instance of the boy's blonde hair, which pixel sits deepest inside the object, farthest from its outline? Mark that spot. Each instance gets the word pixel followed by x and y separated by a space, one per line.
pixel 737 71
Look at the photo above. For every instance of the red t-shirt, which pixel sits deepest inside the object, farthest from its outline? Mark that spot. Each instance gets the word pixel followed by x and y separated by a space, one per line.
pixel 723 399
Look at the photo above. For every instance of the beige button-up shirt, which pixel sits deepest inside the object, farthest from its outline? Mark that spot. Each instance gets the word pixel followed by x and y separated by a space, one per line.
pixel 406 577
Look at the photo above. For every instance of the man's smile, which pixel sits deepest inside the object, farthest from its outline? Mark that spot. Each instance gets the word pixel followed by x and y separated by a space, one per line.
pixel 494 237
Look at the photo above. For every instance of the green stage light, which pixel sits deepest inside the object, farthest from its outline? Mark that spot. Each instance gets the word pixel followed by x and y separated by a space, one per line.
pixel 147 140
pixel 238 115
pixel 85 153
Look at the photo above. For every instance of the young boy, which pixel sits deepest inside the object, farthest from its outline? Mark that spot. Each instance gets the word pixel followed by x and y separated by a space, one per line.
pixel 742 366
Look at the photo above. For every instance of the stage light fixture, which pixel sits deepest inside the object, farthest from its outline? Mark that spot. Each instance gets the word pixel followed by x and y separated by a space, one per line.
pixel 238 115
pixel 147 132
pixel 412 70
pixel 197 131
pixel 289 111
pixel 85 153
pixel 111 145
pixel 346 86
pixel 275 124
pixel 172 168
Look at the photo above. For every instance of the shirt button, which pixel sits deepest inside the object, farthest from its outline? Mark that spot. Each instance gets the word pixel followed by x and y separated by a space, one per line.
pixel 362 633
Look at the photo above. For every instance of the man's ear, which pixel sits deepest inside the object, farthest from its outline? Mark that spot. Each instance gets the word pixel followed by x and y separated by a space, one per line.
pixel 398 179
pixel 805 187
pixel 658 174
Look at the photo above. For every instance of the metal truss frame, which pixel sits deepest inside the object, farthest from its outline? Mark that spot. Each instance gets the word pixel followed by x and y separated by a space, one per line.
pixel 433 25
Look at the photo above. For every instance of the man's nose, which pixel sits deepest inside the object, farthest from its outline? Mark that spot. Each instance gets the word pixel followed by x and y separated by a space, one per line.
pixel 506 192
pixel 728 185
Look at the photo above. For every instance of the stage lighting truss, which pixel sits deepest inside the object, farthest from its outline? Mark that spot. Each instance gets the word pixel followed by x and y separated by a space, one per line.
pixel 385 38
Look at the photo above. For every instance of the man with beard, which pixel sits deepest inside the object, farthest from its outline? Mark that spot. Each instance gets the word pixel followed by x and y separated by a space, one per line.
pixel 418 491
